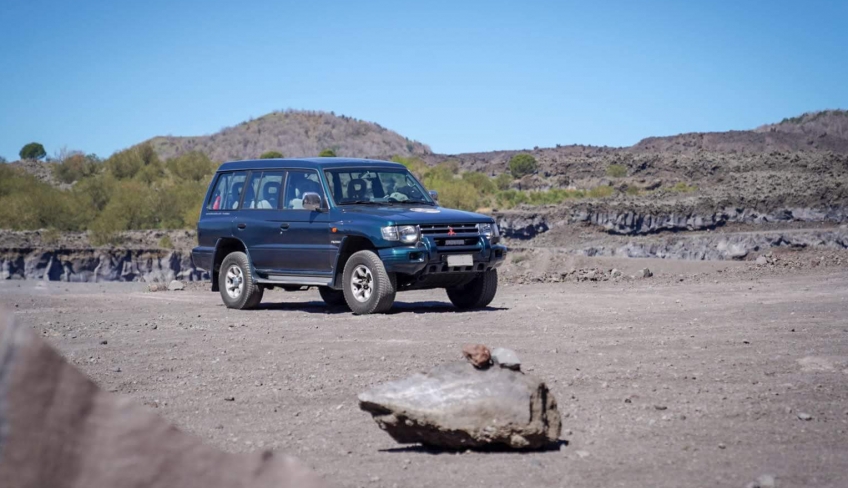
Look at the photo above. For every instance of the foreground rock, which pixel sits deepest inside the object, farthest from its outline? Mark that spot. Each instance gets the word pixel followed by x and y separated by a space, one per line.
pixel 59 429
pixel 458 406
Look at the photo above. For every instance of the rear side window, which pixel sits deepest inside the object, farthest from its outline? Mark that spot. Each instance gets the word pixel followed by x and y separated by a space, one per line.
pixel 264 189
pixel 227 191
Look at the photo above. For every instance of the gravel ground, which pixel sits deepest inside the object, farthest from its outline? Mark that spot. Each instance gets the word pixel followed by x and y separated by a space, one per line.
pixel 660 382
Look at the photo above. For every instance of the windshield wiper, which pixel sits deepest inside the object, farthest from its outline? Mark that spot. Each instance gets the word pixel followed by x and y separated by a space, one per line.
pixel 415 202
pixel 361 202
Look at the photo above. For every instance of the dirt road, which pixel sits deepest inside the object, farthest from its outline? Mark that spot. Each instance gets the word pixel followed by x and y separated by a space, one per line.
pixel 660 383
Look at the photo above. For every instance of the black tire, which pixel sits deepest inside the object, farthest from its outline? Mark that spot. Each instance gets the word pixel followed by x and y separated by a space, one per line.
pixel 379 285
pixel 249 294
pixel 478 293
pixel 333 298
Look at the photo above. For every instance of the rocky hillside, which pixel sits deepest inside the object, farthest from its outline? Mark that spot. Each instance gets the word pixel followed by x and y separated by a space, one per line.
pixel 295 134
pixel 826 123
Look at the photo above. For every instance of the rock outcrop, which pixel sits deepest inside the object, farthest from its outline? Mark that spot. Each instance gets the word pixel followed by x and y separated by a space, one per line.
pixel 98 264
pixel 638 220
pixel 58 429
pixel 458 406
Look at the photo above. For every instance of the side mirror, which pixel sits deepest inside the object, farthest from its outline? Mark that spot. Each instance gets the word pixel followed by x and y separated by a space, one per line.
pixel 312 201
pixel 434 195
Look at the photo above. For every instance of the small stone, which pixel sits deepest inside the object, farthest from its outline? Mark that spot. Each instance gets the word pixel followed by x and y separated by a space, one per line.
pixel 582 454
pixel 644 273
pixel 477 354
pixel 229 399
pixel 154 327
pixel 506 358
pixel 762 261
pixel 660 407
pixel 804 416
pixel 117 370
pixel 104 342
pixel 616 273
pixel 176 285
pixel 722 445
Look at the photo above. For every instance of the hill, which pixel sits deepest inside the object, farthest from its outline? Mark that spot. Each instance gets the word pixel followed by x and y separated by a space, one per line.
pixel 295 134
pixel 814 131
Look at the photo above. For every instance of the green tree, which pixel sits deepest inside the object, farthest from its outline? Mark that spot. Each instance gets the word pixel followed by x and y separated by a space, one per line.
pixel 522 164
pixel 3 160
pixel 327 153
pixel 271 155
pixel 33 150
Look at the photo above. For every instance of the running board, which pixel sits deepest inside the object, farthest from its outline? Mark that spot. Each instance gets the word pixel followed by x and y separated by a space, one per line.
pixel 296 280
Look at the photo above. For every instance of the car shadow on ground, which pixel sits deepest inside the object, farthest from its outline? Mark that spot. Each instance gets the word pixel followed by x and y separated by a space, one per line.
pixel 397 308
pixel 421 449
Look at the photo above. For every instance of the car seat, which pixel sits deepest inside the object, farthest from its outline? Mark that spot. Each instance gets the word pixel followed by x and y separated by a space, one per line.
pixel 356 189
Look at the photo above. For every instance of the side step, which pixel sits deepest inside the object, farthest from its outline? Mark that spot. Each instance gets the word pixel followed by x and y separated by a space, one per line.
pixel 296 280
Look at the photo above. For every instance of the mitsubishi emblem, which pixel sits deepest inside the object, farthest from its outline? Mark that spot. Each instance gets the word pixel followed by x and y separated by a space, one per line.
pixel 450 231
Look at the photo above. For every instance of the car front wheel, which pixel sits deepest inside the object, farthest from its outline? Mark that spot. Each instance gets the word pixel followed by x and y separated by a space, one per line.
pixel 368 287
pixel 479 293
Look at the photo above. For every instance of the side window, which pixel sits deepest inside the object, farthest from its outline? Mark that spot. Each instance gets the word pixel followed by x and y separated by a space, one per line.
pixel 298 183
pixel 268 190
pixel 227 191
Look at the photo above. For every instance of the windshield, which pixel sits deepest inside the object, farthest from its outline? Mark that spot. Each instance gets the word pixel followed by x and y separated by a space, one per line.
pixel 376 186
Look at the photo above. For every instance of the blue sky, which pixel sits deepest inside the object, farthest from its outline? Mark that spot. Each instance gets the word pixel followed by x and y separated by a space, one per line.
pixel 460 76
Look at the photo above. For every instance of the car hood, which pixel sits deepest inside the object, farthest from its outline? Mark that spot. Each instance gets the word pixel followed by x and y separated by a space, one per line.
pixel 411 214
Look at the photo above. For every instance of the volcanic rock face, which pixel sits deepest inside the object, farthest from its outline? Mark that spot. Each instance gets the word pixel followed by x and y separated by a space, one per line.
pixel 59 429
pixel 92 265
pixel 457 406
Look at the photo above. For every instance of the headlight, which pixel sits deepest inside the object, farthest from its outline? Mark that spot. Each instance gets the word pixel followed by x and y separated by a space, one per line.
pixel 407 234
pixel 488 230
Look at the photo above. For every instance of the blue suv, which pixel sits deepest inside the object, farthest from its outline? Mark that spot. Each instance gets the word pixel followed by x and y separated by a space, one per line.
pixel 360 230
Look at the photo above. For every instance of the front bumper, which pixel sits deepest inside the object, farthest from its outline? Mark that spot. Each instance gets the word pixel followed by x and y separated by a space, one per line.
pixel 427 258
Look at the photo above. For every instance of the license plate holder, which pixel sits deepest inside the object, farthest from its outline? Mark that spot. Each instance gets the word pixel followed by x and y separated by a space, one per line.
pixel 460 260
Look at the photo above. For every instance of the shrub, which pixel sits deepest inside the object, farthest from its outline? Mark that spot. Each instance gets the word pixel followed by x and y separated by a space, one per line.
pixel 633 191
pixel 271 155
pixel 327 153
pixel 414 165
pixel 33 150
pixel 129 162
pixel 192 166
pixel 682 187
pixel 616 171
pixel 75 167
pixel 3 160
pixel 600 191
pixel 522 165
pixel 503 180
pixel 483 184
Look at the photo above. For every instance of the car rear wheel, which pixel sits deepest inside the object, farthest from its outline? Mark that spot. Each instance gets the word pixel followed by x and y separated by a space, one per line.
pixel 368 287
pixel 236 283
pixel 478 293
pixel 333 298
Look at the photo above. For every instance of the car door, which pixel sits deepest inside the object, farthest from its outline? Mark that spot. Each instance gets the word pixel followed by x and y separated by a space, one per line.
pixel 306 233
pixel 257 221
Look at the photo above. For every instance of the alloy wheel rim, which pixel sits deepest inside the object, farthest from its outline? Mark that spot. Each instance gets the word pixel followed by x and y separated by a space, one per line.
pixel 235 282
pixel 362 283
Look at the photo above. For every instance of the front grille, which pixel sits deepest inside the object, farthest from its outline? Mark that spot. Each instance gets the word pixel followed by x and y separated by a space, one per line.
pixel 449 230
